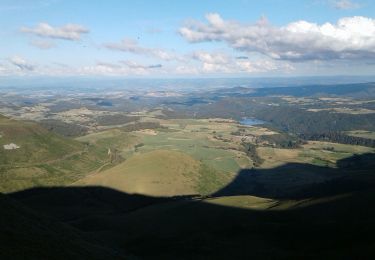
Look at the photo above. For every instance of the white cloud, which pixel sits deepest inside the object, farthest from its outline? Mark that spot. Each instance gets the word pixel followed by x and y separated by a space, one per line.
pixel 349 38
pixel 41 44
pixel 72 32
pixel 184 69
pixel 102 69
pixel 199 62
pixel 4 70
pixel 17 65
pixel 218 62
pixel 196 63
pixel 206 57
pixel 213 62
pixel 132 46
pixel 127 67
pixel 21 63
pixel 264 65
pixel 345 4
pixel 136 65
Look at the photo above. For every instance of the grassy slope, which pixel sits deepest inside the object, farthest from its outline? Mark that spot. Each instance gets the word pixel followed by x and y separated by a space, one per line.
pixel 217 161
pixel 314 152
pixel 195 137
pixel 158 173
pixel 36 143
pixel 44 158
pixel 150 173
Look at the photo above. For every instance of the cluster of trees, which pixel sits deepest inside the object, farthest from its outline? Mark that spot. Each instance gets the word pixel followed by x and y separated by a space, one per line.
pixel 287 118
pixel 338 137
pixel 283 140
pixel 320 126
pixel 299 121
pixel 251 151
pixel 118 119
pixel 138 146
pixel 62 128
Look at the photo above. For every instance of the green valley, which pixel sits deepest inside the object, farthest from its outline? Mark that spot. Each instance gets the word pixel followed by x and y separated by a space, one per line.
pixel 174 178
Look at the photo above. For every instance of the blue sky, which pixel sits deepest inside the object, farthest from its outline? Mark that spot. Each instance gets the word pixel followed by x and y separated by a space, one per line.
pixel 187 38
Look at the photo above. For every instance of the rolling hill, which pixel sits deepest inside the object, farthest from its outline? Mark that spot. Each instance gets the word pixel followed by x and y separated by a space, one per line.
pixel 34 144
pixel 158 173
pixel 33 156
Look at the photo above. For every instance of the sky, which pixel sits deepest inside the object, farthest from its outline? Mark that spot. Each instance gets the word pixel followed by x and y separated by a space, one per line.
pixel 202 38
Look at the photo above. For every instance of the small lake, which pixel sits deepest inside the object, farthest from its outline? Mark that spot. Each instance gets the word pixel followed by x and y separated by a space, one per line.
pixel 251 121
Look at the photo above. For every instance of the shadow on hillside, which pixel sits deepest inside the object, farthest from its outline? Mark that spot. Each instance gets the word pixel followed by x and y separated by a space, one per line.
pixel 299 181
pixel 189 228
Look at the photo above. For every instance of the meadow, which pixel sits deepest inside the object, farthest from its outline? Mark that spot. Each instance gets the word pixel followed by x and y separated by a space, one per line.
pixel 154 159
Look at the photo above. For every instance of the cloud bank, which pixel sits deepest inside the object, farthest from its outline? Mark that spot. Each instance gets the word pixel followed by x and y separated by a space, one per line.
pixel 349 38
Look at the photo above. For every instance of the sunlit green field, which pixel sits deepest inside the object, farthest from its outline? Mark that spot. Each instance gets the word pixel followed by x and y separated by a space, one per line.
pixel 150 154
pixel 209 144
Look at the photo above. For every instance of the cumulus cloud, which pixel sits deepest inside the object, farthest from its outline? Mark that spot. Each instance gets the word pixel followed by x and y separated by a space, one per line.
pixel 72 32
pixel 207 57
pixel 349 38
pixel 132 46
pixel 263 65
pixel 21 63
pixel 345 4
pixel 213 62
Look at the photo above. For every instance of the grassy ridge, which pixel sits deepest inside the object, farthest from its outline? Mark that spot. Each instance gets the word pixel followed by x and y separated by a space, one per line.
pixel 151 173
pixel 160 173
pixel 43 158
pixel 36 143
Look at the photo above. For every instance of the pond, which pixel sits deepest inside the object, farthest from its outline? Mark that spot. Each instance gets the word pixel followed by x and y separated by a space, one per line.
pixel 251 121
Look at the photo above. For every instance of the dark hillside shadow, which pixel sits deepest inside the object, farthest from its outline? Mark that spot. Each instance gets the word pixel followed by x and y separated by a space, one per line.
pixel 69 203
pixel 299 181
pixel 189 228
